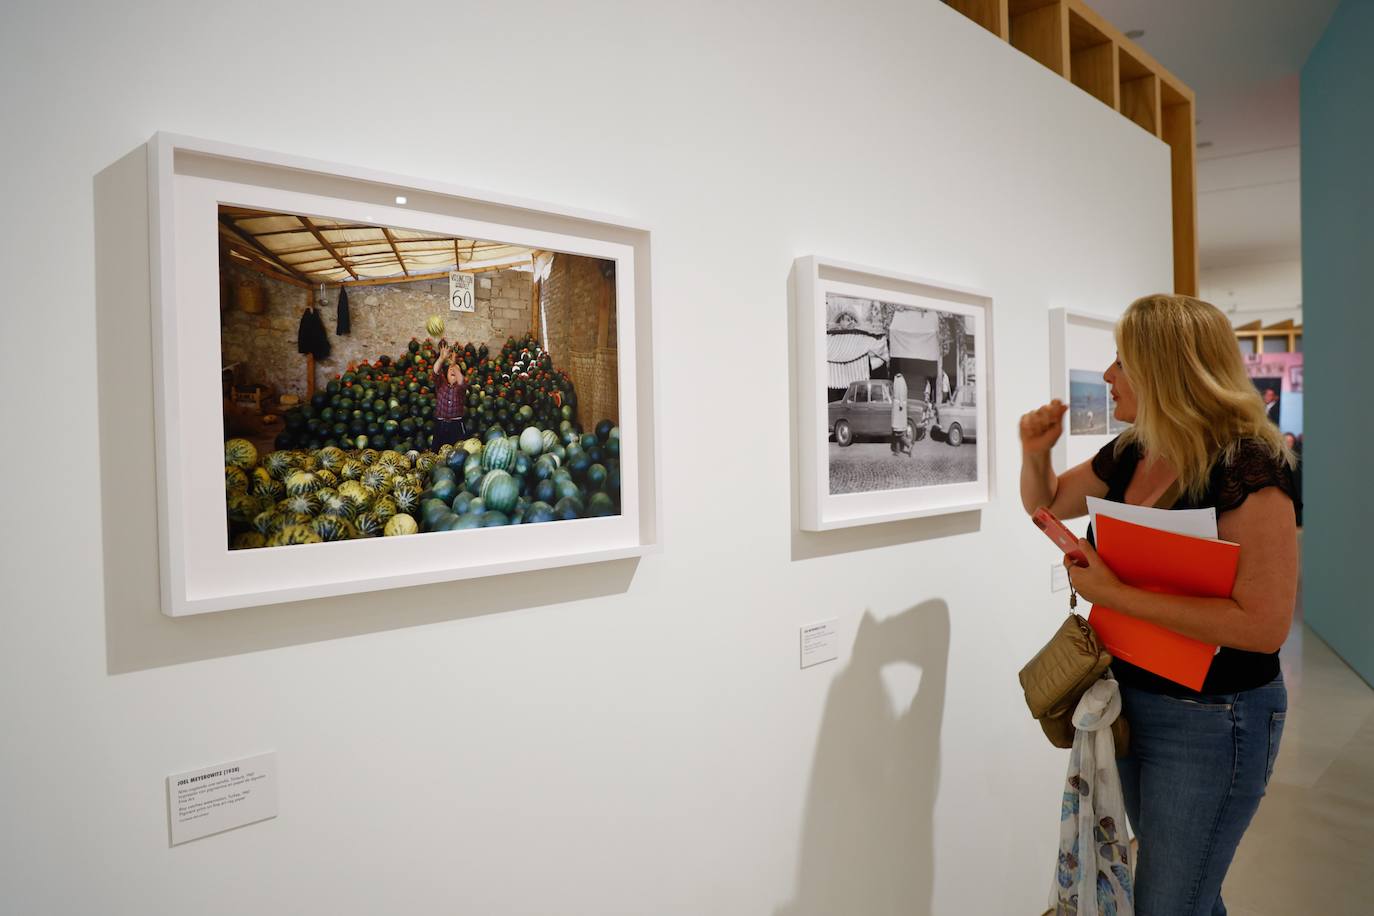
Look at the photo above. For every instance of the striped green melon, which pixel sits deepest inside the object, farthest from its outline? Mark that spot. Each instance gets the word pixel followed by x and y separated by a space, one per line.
pixel 327 477
pixel 547 440
pixel 356 492
pixel 499 491
pixel 384 508
pixel 234 478
pixel 399 525
pixel 299 482
pixel 332 457
pixel 300 504
pixel 376 478
pixel 473 446
pixel 369 456
pixel 368 525
pixel 294 534
pixel 406 495
pixel 393 459
pixel 309 462
pixel 242 507
pixel 266 522
pixel 425 462
pixel 334 528
pixel 498 455
pixel 240 453
pixel 249 540
pixel 278 464
pixel 271 489
pixel 259 480
pixel 352 469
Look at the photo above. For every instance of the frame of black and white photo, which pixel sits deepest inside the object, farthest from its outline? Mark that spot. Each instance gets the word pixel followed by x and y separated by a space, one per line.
pixel 196 188
pixel 857 329
pixel 1082 346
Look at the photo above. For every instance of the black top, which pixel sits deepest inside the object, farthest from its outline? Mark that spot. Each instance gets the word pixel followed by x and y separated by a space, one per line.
pixel 1252 469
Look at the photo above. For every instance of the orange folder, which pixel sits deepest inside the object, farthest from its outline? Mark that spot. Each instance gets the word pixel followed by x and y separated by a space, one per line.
pixel 1171 564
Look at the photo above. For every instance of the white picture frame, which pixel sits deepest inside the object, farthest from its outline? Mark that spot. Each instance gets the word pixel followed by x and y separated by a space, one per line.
pixel 1080 341
pixel 822 506
pixel 188 177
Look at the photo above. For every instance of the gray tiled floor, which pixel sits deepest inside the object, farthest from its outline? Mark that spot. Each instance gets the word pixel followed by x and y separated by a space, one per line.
pixel 1311 846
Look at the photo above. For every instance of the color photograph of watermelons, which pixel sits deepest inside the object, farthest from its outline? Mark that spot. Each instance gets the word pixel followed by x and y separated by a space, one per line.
pixel 382 382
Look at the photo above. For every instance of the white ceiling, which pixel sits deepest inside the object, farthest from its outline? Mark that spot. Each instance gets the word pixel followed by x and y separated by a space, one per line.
pixel 1242 59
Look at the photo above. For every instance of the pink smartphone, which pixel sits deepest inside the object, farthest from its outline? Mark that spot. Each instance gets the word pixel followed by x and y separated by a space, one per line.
pixel 1063 538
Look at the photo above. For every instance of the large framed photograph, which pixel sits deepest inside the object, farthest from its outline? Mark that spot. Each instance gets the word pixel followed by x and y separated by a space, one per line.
pixel 1082 347
pixel 894 394
pixel 365 381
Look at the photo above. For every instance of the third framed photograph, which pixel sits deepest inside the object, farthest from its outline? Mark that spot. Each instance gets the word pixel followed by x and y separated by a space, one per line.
pixel 1082 346
pixel 893 395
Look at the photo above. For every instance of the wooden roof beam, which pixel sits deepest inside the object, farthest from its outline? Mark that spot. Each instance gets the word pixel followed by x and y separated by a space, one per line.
pixel 262 251
pixel 328 247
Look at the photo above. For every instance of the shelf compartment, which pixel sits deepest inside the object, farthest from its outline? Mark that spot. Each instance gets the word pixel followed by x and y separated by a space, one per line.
pixel 1093 61
pixel 1040 30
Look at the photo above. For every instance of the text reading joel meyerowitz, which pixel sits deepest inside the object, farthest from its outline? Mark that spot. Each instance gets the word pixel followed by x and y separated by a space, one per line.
pixel 197 796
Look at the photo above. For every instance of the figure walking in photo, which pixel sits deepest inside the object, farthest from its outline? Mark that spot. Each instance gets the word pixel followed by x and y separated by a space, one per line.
pixel 899 437
pixel 450 400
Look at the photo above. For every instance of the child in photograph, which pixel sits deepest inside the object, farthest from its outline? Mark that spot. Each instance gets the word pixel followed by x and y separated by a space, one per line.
pixel 899 437
pixel 450 400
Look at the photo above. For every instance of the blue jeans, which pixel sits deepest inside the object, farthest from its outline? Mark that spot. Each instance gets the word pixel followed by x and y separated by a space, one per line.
pixel 1193 779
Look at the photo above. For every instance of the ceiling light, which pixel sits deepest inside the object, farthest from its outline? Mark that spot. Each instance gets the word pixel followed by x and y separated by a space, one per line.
pixel 400 200
pixel 1134 34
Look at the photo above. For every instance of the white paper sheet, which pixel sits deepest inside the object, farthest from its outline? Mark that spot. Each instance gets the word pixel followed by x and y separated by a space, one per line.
pixel 1198 523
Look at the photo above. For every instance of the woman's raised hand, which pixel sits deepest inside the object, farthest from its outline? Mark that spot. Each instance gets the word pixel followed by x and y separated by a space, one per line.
pixel 1042 427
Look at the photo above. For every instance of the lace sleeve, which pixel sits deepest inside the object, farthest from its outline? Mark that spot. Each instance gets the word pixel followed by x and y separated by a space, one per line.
pixel 1250 470
pixel 1105 461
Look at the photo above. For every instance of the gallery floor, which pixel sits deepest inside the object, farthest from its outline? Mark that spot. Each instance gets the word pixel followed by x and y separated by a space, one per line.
pixel 1308 848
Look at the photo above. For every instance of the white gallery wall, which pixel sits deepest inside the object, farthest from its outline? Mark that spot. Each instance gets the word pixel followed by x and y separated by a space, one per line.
pixel 1269 292
pixel 622 739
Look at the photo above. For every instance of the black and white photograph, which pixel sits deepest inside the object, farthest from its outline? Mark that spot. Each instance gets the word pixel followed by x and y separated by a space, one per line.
pixel 902 396
pixel 1088 405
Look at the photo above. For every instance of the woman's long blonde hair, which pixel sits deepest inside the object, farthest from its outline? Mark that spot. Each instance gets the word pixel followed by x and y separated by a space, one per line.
pixel 1195 402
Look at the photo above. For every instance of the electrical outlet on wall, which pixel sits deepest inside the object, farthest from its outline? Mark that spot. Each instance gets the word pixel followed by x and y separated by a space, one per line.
pixel 1059 577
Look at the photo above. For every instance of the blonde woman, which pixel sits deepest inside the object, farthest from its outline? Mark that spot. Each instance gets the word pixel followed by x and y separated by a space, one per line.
pixel 1199 762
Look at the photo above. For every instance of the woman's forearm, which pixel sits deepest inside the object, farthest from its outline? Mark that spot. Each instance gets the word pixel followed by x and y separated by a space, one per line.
pixel 1221 621
pixel 1038 480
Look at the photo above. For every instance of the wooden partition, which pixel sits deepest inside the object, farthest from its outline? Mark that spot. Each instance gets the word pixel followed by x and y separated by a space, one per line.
pixel 1070 38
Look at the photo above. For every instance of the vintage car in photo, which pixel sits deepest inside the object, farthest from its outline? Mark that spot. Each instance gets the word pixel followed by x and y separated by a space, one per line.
pixel 957 420
pixel 865 411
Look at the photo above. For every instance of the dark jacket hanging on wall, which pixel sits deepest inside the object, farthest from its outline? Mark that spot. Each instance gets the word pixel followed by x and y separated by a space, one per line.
pixel 341 323
pixel 312 337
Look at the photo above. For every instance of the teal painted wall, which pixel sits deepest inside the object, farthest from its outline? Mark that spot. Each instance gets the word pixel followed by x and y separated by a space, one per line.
pixel 1338 337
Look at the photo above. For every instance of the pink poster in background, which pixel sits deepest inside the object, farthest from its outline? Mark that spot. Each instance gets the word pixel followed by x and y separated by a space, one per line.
pixel 1278 376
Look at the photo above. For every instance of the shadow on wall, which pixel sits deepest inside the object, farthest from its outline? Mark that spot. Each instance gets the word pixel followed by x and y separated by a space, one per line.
pixel 868 845
pixel 137 635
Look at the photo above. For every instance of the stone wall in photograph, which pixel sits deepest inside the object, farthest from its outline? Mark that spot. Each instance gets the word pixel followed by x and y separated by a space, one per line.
pixel 383 319
pixel 571 297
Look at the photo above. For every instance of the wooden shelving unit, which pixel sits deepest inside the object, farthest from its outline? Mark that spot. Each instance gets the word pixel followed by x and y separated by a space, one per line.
pixel 1257 337
pixel 1071 39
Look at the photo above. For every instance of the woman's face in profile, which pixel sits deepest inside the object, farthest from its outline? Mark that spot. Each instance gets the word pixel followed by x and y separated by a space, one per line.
pixel 1123 395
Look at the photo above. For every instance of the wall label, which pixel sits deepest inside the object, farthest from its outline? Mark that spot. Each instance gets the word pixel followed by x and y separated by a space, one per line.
pixel 222 797
pixel 819 643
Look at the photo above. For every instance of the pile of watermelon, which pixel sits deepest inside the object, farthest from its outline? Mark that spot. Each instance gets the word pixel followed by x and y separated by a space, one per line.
pixel 389 403
pixel 306 496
